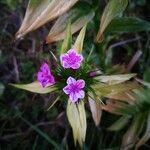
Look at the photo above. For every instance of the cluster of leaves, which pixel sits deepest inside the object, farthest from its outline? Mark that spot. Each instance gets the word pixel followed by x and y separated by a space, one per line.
pixel 112 25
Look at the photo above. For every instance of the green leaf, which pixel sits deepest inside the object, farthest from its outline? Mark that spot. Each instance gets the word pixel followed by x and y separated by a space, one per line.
pixel 35 3
pixel 143 96
pixel 68 40
pixel 146 135
pixel 35 87
pixel 41 133
pixel 146 75
pixel 146 84
pixel 78 17
pixel 80 39
pixel 132 133
pixel 77 119
pixel 113 9
pixel 11 3
pixel 115 79
pixel 107 90
pixel 40 12
pixel 128 25
pixel 139 105
pixel 119 124
pixel 1 89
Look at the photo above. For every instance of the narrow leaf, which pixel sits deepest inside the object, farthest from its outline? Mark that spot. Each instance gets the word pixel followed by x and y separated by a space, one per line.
pixel 77 119
pixel 80 39
pixel 146 135
pixel 40 12
pixel 54 102
pixel 68 40
pixel 127 96
pixel 41 133
pixel 1 89
pixel 83 125
pixel 78 18
pixel 35 87
pixel 115 79
pixel 132 133
pixel 119 124
pixel 107 90
pixel 112 106
pixel 96 111
pixel 113 9
pixel 128 25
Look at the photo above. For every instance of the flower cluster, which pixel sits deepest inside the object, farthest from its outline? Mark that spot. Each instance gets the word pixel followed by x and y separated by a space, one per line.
pixel 69 60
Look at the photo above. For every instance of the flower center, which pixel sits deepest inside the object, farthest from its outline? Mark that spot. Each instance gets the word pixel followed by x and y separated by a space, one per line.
pixel 74 88
pixel 72 60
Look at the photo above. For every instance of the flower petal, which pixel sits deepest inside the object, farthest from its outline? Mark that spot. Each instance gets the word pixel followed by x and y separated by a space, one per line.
pixel 75 66
pixel 72 51
pixel 73 97
pixel 80 57
pixel 70 80
pixel 81 83
pixel 80 94
pixel 62 56
pixel 66 89
pixel 51 79
pixel 45 68
pixel 65 64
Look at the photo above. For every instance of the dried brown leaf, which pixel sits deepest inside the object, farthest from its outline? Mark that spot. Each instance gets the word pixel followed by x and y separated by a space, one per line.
pixel 42 12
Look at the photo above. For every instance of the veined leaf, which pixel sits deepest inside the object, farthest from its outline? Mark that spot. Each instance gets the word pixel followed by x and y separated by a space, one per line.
pixel 78 18
pixel 112 106
pixel 40 12
pixel 83 125
pixel 127 96
pixel 96 110
pixel 146 136
pixel 119 124
pixel 77 119
pixel 80 39
pixel 127 25
pixel 113 9
pixel 35 87
pixel 146 84
pixel 54 102
pixel 132 133
pixel 107 90
pixel 115 79
pixel 66 45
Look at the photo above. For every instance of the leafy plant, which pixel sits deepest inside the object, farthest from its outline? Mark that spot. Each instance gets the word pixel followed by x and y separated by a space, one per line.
pixel 136 112
pixel 95 87
pixel 107 87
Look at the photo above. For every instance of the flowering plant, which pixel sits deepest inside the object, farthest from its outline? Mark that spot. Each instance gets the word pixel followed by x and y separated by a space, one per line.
pixel 78 82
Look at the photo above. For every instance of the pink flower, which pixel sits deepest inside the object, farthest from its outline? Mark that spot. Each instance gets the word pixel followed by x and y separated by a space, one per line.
pixel 71 59
pixel 44 75
pixel 74 89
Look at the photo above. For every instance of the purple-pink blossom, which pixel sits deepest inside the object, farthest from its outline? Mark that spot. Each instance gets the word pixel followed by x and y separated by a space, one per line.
pixel 74 89
pixel 44 75
pixel 71 59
